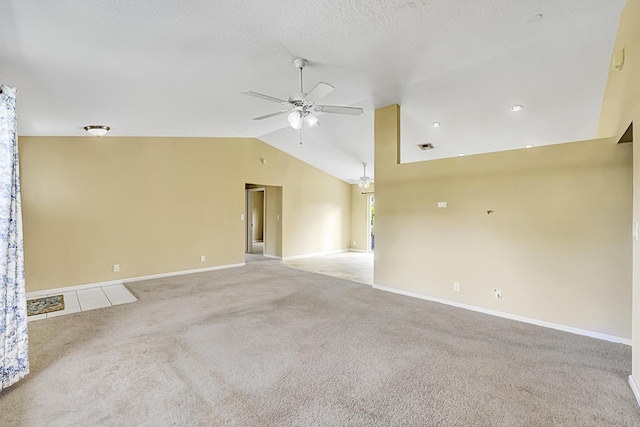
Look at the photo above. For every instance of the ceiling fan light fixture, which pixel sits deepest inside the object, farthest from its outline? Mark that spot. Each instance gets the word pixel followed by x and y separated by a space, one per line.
pixel 365 181
pixel 97 130
pixel 310 120
pixel 295 119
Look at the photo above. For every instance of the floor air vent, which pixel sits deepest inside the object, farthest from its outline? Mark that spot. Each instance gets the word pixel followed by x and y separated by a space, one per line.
pixel 425 147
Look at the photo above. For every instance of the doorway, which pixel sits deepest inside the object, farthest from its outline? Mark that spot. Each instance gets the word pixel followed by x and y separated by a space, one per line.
pixel 263 221
pixel 255 213
pixel 371 205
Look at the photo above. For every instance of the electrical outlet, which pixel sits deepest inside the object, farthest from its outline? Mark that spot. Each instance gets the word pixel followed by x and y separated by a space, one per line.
pixel 116 268
pixel 456 286
pixel 242 217
pixel 498 293
pixel 202 258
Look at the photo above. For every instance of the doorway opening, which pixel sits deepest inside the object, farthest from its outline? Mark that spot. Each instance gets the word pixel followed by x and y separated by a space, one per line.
pixel 263 228
pixel 371 223
pixel 254 242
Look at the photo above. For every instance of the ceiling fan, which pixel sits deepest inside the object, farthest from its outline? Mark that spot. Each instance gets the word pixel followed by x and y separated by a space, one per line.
pixel 301 105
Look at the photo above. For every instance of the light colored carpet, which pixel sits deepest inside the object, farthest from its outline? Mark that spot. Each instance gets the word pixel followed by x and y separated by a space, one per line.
pixel 269 345
pixel 354 266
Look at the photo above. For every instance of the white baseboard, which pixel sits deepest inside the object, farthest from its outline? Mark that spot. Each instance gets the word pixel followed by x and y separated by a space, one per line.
pixel 524 319
pixel 312 255
pixel 129 279
pixel 357 250
pixel 634 388
pixel 271 256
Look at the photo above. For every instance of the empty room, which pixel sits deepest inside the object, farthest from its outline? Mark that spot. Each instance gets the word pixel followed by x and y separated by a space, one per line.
pixel 382 213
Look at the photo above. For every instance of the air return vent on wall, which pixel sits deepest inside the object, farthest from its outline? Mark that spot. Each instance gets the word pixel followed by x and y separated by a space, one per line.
pixel 425 147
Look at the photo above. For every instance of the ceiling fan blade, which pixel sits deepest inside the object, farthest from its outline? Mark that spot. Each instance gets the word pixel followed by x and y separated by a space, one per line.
pixel 266 116
pixel 320 90
pixel 265 97
pixel 352 111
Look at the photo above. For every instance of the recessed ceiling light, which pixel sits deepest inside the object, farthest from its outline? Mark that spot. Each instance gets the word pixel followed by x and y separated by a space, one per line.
pixel 528 146
pixel 435 124
pixel 461 155
pixel 97 130
pixel 517 108
pixel 534 18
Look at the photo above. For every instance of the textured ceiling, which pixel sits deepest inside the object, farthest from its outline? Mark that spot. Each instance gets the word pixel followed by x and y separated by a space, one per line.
pixel 176 68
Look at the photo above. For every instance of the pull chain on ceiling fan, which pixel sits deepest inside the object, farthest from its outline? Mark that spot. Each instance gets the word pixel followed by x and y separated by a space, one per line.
pixel 300 106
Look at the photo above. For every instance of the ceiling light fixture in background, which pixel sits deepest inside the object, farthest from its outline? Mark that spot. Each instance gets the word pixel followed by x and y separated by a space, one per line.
pixel 517 108
pixel 365 181
pixel 528 146
pixel 461 155
pixel 97 130
pixel 436 124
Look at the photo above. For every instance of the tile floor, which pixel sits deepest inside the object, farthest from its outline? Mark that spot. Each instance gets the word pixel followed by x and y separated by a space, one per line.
pixel 88 299
pixel 354 266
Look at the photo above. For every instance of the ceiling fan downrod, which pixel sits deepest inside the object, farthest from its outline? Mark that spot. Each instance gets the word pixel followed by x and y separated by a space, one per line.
pixel 300 63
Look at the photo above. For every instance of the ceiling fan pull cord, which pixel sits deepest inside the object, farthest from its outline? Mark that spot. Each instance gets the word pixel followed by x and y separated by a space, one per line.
pixel 301 131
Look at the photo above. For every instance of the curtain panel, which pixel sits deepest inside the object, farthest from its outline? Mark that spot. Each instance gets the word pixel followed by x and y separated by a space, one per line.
pixel 14 342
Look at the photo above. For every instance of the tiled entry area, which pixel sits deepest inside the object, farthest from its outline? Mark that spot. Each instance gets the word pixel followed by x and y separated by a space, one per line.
pixel 87 299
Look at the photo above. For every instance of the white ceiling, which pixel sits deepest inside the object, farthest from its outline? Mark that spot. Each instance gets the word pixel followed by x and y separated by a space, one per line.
pixel 177 67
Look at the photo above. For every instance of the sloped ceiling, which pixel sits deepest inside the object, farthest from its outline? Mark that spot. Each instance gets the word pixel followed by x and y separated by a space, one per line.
pixel 176 68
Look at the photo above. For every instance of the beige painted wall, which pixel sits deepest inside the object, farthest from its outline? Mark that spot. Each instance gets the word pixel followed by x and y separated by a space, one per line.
pixel 360 216
pixel 154 205
pixel 258 215
pixel 621 106
pixel 557 243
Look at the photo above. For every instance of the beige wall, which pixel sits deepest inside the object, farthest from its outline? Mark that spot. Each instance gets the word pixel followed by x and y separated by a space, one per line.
pixel 360 217
pixel 620 107
pixel 155 205
pixel 557 243
pixel 258 215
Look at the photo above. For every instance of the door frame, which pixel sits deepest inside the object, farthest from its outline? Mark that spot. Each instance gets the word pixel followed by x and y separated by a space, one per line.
pixel 248 214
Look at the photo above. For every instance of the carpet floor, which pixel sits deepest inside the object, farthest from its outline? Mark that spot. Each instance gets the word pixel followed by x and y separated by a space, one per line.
pixel 269 345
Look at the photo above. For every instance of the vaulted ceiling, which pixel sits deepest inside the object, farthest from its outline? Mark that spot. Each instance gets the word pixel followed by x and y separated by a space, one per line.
pixel 176 68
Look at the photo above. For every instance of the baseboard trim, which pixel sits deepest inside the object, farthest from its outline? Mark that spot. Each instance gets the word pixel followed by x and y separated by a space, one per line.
pixel 271 256
pixel 634 388
pixel 516 317
pixel 129 279
pixel 315 254
pixel 357 250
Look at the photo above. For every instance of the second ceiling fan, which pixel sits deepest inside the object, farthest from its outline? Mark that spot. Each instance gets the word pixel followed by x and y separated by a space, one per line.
pixel 301 105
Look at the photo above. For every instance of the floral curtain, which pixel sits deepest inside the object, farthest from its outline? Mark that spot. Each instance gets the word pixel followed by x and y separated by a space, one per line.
pixel 14 343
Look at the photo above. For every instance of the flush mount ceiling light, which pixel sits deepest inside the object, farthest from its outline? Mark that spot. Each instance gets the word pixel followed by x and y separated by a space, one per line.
pixel 365 181
pixel 97 130
pixel 435 124
pixel 517 108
